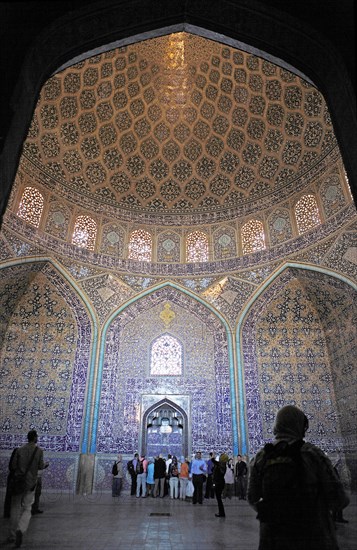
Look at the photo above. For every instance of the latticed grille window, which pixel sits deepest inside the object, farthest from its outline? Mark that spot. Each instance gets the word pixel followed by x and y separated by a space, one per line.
pixel 31 206
pixel 307 213
pixel 166 356
pixel 197 247
pixel 140 246
pixel 85 232
pixel 253 237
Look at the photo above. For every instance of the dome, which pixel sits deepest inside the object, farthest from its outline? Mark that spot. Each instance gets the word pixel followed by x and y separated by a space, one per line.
pixel 178 129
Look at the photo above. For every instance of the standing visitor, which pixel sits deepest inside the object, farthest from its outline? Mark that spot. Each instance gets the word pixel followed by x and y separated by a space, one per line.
pixel 159 476
pixel 174 478
pixel 198 476
pixel 27 461
pixel 228 490
pixel 294 487
pixel 150 481
pixel 241 477
pixel 219 472
pixel 117 482
pixel 132 472
pixel 209 493
pixel 183 476
pixel 141 467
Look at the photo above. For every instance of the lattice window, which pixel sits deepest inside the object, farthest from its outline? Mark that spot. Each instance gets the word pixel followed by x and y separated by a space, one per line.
pixel 140 246
pixel 31 206
pixel 197 247
pixel 85 232
pixel 253 237
pixel 166 356
pixel 307 213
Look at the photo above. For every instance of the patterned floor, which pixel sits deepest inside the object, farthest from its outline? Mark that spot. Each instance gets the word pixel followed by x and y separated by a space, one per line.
pixel 103 523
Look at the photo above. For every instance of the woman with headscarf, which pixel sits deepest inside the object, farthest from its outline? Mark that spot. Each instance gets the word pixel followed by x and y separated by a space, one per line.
pixel 312 528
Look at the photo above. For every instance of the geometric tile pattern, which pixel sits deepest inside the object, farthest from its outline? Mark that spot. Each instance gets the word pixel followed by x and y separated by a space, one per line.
pixel 126 372
pixel 44 358
pixel 293 354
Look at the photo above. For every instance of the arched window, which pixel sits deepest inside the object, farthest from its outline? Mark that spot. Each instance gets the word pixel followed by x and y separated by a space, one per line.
pixel 31 206
pixel 307 213
pixel 140 246
pixel 166 356
pixel 253 238
pixel 85 232
pixel 197 247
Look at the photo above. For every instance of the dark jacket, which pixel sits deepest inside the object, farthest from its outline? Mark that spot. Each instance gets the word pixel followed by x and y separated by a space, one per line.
pixel 21 460
pixel 159 468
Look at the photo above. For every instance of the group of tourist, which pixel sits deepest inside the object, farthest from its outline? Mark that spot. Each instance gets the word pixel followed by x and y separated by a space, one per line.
pixel 217 477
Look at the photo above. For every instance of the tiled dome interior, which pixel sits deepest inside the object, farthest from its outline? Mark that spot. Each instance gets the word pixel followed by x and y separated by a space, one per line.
pixel 178 124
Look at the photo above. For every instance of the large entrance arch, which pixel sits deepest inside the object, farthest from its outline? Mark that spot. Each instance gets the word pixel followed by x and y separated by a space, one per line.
pixel 292 351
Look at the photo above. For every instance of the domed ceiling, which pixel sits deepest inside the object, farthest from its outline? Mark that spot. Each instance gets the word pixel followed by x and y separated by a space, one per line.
pixel 178 124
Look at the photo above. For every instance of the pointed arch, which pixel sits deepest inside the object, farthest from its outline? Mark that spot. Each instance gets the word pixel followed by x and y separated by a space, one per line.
pixel 87 325
pixel 166 402
pixel 140 246
pixel 166 355
pixel 306 213
pixel 197 247
pixel 239 336
pixel 167 285
pixel 84 232
pixel 31 205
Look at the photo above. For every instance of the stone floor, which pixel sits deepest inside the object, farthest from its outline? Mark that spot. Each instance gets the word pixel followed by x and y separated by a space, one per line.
pixel 101 522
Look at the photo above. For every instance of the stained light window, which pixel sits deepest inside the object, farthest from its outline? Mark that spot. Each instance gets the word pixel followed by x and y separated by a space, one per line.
pixel 166 356
pixel 85 232
pixel 140 246
pixel 253 238
pixel 31 206
pixel 197 247
pixel 307 213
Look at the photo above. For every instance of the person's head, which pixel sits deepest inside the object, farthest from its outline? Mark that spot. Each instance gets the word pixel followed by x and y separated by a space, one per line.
pixel 168 456
pixel 198 454
pixel 136 455
pixel 239 458
pixel 224 458
pixel 212 455
pixel 32 436
pixel 290 424
pixel 174 459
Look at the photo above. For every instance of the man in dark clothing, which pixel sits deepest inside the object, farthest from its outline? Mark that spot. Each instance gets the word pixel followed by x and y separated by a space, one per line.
pixel 132 471
pixel 29 459
pixel 219 471
pixel 209 493
pixel 241 477
pixel 159 476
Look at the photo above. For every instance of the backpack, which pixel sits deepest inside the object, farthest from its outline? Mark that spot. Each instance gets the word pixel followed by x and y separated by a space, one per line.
pixel 130 467
pixel 284 498
pixel 140 467
pixel 115 469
